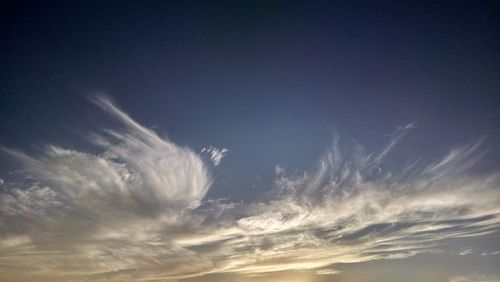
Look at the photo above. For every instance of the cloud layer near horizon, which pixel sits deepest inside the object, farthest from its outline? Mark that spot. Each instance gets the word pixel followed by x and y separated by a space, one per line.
pixel 137 209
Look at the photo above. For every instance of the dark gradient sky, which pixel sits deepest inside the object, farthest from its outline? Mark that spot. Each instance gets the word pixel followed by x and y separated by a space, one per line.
pixel 239 73
pixel 272 81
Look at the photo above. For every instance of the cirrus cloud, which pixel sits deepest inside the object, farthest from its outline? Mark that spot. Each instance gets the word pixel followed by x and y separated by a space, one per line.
pixel 136 209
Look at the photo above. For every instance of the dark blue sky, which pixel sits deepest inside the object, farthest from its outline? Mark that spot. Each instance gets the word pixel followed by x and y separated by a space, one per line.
pixel 263 79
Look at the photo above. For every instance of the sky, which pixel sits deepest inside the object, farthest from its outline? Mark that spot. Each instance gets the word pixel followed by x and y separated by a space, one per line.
pixel 296 141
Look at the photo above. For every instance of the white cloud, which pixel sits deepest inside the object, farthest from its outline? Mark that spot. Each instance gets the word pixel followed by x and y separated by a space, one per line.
pixel 97 213
pixel 466 252
pixel 215 154
pixel 136 210
pixel 278 169
pixel 338 215
pixel 476 278
pixel 490 253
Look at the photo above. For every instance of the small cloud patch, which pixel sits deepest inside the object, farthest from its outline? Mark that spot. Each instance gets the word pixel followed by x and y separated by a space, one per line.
pixel 215 154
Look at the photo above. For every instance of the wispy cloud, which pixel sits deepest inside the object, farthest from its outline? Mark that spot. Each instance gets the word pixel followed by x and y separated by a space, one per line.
pixel 466 252
pixel 327 271
pixel 89 213
pixel 494 253
pixel 215 154
pixel 136 210
pixel 476 278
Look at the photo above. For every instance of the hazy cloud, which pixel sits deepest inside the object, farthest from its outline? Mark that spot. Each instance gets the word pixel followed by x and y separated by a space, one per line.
pixel 136 209
pixel 466 252
pixel 327 272
pixel 476 278
pixel 490 253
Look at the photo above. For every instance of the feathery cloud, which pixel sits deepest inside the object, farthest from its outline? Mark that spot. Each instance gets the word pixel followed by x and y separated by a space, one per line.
pixel 215 154
pixel 137 210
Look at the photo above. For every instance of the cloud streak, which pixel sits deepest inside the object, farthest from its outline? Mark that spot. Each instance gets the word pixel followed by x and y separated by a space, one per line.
pixel 136 210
